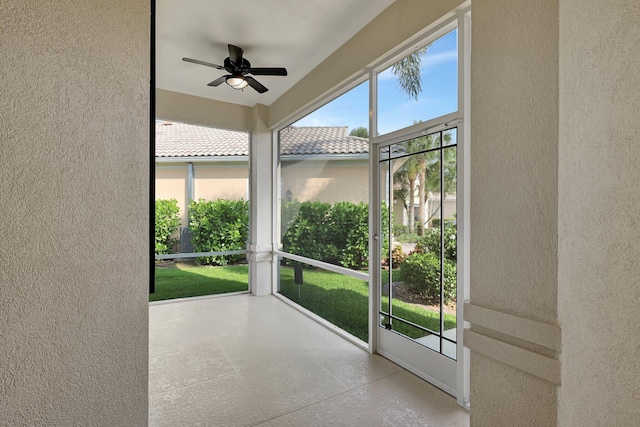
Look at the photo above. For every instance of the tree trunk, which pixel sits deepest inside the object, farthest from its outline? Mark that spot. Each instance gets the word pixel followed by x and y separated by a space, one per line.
pixel 422 198
pixel 412 185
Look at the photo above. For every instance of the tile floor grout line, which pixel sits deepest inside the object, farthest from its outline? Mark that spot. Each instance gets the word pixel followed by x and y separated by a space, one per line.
pixel 195 384
pixel 303 407
pixel 172 353
pixel 349 390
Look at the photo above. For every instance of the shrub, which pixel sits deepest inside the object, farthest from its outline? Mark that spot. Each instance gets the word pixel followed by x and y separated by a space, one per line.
pixel 167 223
pixel 219 225
pixel 430 242
pixel 397 256
pixel 421 275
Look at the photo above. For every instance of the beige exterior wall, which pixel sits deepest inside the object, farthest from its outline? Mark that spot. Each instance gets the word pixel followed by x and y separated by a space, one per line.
pixel 224 181
pixel 210 182
pixel 171 183
pixel 74 185
pixel 324 181
pixel 329 182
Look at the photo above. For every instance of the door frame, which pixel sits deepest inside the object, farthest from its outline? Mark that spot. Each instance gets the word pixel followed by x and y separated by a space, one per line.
pixel 456 373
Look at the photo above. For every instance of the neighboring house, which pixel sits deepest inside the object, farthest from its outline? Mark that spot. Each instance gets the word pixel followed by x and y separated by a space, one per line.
pixel 317 163
pixel 197 162
pixel 432 209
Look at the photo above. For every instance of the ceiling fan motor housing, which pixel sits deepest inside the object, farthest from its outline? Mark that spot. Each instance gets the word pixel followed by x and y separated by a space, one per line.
pixel 232 68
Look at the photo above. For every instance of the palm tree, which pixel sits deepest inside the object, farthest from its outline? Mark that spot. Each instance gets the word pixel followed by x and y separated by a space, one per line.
pixel 425 167
pixel 411 168
pixel 407 71
pixel 429 171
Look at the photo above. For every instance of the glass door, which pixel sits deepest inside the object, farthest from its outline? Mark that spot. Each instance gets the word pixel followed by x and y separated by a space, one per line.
pixel 418 237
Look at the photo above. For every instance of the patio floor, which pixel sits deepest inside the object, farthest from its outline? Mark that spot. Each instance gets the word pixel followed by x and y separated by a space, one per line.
pixel 255 361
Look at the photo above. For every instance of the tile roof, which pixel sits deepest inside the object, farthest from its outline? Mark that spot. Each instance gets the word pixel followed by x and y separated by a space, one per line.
pixel 183 140
pixel 321 140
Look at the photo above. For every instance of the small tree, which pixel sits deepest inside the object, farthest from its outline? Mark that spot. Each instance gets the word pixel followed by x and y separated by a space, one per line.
pixel 360 131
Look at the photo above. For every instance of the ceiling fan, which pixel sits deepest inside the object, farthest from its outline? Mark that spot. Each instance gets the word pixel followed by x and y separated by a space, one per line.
pixel 238 68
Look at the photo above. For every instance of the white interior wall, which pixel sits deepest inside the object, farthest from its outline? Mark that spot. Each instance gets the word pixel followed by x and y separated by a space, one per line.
pixel 74 149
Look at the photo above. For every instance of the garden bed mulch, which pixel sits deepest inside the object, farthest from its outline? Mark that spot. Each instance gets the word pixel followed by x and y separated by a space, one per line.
pixel 400 293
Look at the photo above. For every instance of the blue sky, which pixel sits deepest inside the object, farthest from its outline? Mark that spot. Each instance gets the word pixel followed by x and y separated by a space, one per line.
pixel 395 108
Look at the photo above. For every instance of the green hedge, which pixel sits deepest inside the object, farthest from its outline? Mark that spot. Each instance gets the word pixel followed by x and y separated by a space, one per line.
pixel 167 223
pixel 336 234
pixel 219 225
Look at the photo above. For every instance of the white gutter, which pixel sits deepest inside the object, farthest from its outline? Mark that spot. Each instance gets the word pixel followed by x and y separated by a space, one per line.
pixel 324 157
pixel 201 159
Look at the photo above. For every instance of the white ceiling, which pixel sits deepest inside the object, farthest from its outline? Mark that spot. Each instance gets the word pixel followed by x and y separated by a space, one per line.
pixel 295 34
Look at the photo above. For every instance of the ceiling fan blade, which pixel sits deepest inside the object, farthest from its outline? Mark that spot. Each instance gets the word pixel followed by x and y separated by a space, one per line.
pixel 218 81
pixel 255 84
pixel 266 71
pixel 235 55
pixel 208 64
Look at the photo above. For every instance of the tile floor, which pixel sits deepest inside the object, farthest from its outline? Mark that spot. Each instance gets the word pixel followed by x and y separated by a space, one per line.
pixel 255 361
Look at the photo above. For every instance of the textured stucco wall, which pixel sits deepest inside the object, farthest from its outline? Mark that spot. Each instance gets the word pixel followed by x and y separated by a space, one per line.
pixel 514 134
pixel 74 189
pixel 599 212
pixel 516 399
pixel 514 151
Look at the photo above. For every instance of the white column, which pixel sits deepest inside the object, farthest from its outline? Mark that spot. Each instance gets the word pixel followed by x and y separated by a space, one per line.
pixel 261 202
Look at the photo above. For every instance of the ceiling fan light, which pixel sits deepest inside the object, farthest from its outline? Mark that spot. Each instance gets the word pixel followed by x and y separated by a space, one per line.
pixel 237 82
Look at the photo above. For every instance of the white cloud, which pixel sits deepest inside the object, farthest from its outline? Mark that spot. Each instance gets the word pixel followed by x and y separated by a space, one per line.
pixel 439 58
pixel 428 61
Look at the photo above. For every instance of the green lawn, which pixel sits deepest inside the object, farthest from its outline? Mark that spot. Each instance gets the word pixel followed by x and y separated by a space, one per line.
pixel 344 301
pixel 182 280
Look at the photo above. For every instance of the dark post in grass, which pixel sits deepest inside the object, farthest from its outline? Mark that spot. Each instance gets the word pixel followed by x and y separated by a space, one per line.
pixel 297 277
